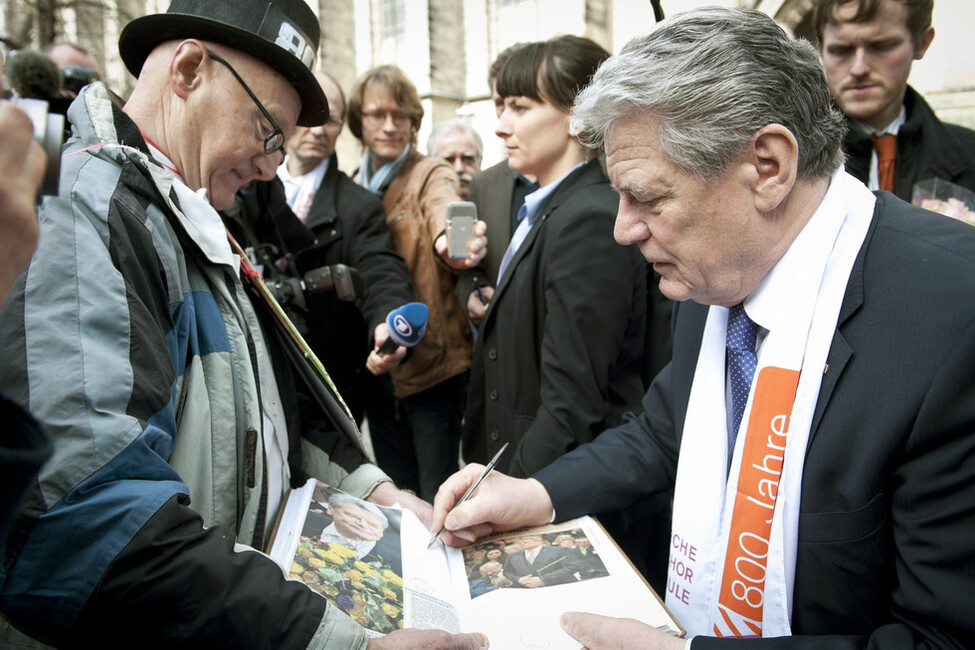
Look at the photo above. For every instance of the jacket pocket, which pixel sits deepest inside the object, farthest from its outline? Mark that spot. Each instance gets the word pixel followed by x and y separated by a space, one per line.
pixel 846 526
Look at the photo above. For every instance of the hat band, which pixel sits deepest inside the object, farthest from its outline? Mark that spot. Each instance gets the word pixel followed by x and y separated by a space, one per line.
pixel 276 27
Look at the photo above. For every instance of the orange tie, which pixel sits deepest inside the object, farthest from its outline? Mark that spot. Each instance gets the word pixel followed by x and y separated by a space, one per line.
pixel 886 146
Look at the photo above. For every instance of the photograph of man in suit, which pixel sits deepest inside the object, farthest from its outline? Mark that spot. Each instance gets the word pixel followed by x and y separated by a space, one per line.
pixel 816 421
pixel 537 564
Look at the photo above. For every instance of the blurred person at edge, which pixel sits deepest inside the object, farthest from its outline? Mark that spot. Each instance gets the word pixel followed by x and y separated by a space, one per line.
pixel 458 143
pixel 417 437
pixel 78 67
pixel 24 446
pixel 868 48
pixel 559 355
pixel 132 339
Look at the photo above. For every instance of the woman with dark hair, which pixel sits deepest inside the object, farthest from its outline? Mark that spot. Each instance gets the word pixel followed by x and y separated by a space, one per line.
pixel 560 350
pixel 416 434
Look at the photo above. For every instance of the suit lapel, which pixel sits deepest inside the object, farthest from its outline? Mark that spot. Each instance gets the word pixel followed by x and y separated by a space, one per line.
pixel 840 351
pixel 588 174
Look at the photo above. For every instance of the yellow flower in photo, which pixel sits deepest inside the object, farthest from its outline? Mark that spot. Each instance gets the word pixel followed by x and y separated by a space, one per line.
pixel 315 562
pixel 356 584
pixel 297 569
pixel 388 593
pixel 333 557
pixel 344 551
pixel 306 553
pixel 354 575
pixel 362 566
pixel 391 610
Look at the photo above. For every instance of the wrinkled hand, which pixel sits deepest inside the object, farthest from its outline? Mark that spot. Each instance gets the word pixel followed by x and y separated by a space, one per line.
pixel 387 494
pixel 22 163
pixel 597 632
pixel 477 248
pixel 380 364
pixel 429 640
pixel 499 503
pixel 477 309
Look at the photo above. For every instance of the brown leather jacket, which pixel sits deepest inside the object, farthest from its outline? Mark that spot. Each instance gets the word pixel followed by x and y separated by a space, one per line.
pixel 416 208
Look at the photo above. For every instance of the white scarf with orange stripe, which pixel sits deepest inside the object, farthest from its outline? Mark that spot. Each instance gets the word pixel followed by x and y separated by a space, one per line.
pixel 733 541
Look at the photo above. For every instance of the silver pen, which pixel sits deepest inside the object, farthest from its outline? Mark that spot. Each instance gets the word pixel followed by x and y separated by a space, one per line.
pixel 470 490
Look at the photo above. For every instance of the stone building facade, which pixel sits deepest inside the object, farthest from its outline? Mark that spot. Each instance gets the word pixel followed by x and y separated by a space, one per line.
pixel 446 46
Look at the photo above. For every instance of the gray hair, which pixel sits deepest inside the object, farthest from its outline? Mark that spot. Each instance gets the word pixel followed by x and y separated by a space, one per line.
pixel 338 500
pixel 711 78
pixel 452 126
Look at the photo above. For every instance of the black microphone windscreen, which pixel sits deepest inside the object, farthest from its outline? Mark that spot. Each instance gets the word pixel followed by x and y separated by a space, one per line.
pixel 33 74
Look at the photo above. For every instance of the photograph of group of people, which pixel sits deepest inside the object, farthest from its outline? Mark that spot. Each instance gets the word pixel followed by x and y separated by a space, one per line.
pixel 530 561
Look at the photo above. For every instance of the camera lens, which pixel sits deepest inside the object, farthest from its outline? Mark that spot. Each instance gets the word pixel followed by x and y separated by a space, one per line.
pixel 48 132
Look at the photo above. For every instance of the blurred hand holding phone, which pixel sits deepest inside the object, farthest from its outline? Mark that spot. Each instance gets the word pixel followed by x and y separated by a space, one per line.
pixel 461 216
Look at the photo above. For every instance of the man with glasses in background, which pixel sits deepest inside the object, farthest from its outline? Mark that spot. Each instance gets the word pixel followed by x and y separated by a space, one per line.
pixel 132 339
pixel 312 216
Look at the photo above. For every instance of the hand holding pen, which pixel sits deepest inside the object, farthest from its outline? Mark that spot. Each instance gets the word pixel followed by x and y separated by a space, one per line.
pixel 470 490
pixel 476 502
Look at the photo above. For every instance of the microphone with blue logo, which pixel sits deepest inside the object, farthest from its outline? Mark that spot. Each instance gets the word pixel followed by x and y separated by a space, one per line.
pixel 406 324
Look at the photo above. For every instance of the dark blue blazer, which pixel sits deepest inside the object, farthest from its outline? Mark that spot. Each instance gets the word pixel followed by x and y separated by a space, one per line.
pixel 886 554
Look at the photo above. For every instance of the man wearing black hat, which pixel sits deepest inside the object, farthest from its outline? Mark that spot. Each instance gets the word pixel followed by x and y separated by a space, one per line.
pixel 133 340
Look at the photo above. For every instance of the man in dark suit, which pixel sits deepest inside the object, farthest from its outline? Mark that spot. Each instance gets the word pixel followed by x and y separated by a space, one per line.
pixel 313 216
pixel 823 464
pixel 538 565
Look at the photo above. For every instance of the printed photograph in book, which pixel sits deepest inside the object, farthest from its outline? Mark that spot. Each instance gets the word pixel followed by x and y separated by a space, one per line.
pixel 532 561
pixel 349 552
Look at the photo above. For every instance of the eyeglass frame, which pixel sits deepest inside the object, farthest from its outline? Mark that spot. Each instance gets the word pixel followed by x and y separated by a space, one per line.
pixel 378 118
pixel 273 142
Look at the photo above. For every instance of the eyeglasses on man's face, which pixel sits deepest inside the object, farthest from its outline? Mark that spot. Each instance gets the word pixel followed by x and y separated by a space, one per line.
pixel 378 118
pixel 273 142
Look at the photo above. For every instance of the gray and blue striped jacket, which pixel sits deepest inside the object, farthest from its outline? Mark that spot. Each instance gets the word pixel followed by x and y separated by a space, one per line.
pixel 138 350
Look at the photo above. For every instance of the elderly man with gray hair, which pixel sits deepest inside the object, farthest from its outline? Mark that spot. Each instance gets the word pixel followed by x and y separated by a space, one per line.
pixel 458 143
pixel 816 422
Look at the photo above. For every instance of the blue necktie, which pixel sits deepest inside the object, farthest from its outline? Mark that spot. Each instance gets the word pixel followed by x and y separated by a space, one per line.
pixel 742 360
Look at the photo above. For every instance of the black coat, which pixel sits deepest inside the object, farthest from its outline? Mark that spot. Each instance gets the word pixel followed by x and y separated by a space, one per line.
pixel 926 148
pixel 346 225
pixel 560 353
pixel 887 512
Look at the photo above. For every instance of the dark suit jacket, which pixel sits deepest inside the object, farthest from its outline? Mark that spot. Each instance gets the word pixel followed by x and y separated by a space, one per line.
pixel 554 565
pixel 887 513
pixel 559 354
pixel 926 148
pixel 346 225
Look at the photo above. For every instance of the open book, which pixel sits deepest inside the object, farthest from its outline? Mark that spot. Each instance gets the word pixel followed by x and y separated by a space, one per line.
pixel 373 563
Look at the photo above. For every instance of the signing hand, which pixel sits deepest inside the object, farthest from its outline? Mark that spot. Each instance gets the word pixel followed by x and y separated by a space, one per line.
pixel 499 503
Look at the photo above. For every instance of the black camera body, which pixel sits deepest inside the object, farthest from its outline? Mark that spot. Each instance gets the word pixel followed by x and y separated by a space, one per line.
pixel 76 77
pixel 339 278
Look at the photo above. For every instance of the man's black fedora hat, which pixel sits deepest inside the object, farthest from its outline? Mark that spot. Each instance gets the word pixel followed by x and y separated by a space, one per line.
pixel 282 33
